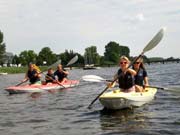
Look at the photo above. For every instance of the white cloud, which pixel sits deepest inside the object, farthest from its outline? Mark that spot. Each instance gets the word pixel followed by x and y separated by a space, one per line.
pixel 140 17
pixel 77 24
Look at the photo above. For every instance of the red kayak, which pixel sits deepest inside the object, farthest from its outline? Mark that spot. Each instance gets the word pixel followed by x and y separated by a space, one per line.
pixel 41 87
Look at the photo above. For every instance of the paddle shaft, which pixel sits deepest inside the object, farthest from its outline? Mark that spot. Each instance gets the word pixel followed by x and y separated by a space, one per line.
pixel 21 82
pixel 156 39
pixel 72 61
pixel 156 87
pixel 56 81
pixel 101 94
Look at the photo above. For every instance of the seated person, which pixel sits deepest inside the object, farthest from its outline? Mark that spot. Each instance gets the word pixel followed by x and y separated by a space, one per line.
pixel 125 76
pixel 141 78
pixel 32 75
pixel 50 78
pixel 61 74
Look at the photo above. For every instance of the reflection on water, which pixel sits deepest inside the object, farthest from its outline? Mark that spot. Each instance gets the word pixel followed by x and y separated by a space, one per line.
pixel 64 112
pixel 122 121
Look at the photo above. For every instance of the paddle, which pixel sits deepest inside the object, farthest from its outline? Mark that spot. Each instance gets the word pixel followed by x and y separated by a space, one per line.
pixel 21 83
pixel 72 61
pixel 153 43
pixel 157 87
pixel 94 78
pixel 36 68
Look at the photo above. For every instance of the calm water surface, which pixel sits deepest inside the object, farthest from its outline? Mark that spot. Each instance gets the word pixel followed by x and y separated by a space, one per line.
pixel 65 112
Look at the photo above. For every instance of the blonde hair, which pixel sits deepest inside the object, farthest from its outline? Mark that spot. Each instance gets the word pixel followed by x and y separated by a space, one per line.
pixel 123 57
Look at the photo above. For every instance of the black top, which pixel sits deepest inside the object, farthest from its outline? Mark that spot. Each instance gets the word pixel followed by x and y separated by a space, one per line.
pixel 60 75
pixel 139 77
pixel 50 78
pixel 125 81
pixel 32 78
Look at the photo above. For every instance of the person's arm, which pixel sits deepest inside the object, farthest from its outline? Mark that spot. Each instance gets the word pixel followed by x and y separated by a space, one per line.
pixel 65 72
pixel 25 78
pixel 146 83
pixel 111 84
pixel 47 77
pixel 36 74
pixel 131 71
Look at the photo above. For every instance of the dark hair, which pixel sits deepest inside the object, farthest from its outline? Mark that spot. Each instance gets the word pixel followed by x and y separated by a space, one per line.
pixel 141 63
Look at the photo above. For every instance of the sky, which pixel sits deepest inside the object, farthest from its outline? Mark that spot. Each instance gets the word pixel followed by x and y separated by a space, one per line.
pixel 78 24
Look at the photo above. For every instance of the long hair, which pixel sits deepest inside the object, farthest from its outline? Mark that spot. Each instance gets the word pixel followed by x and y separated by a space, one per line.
pixel 141 63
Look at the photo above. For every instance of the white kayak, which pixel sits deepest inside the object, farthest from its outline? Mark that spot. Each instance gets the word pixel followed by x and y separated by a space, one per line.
pixel 118 100
pixel 41 87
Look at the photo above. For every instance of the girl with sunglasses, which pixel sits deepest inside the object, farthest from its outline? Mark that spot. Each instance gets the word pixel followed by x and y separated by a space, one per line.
pixel 125 76
pixel 141 78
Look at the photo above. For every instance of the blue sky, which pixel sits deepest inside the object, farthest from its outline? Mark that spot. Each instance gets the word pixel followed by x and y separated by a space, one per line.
pixel 77 24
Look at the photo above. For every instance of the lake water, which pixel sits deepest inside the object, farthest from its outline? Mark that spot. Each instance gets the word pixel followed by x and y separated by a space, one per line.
pixel 65 112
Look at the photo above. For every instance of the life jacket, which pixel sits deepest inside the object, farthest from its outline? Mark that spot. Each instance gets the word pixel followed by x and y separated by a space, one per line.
pixel 125 81
pixel 50 78
pixel 139 77
pixel 32 78
pixel 61 75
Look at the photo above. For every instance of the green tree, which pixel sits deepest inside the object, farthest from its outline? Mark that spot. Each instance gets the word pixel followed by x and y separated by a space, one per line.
pixel 91 56
pixel 27 56
pixel 113 51
pixel 124 50
pixel 46 55
pixel 2 48
pixel 16 60
pixel 80 61
pixel 66 56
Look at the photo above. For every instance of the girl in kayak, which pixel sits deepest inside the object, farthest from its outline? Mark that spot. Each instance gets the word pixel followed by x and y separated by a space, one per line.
pixel 50 78
pixel 61 74
pixel 141 78
pixel 125 76
pixel 32 75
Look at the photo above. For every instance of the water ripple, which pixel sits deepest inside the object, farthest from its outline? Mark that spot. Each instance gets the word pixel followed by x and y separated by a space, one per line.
pixel 64 112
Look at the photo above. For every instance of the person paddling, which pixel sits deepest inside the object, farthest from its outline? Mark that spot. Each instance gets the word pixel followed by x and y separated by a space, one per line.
pixel 125 76
pixel 50 78
pixel 61 73
pixel 32 75
pixel 141 78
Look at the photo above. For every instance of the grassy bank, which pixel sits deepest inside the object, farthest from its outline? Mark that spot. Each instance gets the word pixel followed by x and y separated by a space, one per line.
pixel 15 70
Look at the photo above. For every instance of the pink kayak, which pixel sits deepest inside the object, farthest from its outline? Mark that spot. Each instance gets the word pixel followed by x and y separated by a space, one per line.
pixel 41 87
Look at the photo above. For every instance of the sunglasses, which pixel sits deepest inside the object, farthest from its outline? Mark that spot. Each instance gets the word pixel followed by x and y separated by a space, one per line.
pixel 123 63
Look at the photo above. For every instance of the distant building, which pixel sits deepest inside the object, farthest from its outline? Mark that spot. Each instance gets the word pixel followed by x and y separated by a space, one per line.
pixel 8 57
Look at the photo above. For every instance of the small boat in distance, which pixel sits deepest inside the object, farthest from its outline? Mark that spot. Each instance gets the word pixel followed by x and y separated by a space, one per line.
pixel 91 66
pixel 2 73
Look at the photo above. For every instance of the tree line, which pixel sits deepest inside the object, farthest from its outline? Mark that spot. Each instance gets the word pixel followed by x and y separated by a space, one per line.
pixel 47 57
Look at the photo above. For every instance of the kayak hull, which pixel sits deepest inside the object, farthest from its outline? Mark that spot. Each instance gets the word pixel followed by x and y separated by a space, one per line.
pixel 41 87
pixel 119 100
